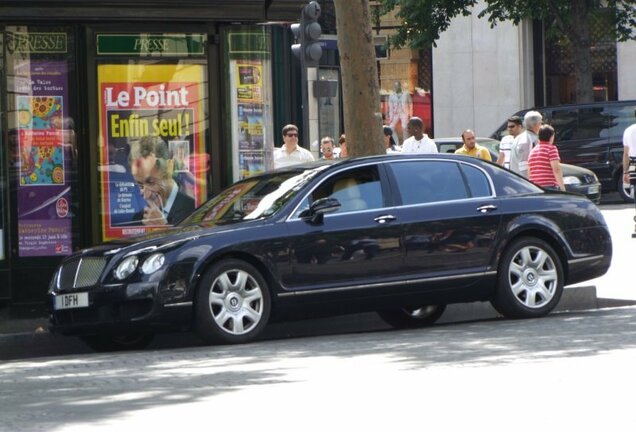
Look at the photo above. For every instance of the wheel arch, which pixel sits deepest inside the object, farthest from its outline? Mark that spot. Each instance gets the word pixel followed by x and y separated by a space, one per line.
pixel 258 264
pixel 556 243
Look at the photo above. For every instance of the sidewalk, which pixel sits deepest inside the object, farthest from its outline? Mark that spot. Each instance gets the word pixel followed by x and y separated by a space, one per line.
pixel 32 318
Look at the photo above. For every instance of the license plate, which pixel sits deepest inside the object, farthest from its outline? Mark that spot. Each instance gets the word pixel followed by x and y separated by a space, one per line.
pixel 71 301
pixel 593 190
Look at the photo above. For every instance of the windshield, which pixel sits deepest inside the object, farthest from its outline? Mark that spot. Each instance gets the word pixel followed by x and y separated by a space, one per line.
pixel 253 198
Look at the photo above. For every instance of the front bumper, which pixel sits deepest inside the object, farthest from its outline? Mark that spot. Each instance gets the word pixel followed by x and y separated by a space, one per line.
pixel 118 308
pixel 591 190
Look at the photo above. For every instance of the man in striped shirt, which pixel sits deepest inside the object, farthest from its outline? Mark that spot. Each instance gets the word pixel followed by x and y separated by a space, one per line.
pixel 544 163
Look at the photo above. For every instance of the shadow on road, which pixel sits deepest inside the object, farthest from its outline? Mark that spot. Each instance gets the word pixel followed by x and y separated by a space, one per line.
pixel 99 387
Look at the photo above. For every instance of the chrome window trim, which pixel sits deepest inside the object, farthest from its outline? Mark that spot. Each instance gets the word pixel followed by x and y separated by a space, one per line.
pixel 399 159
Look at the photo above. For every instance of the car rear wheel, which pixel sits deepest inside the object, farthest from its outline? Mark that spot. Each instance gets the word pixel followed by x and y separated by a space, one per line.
pixel 232 304
pixel 530 279
pixel 625 190
pixel 412 317
pixel 123 342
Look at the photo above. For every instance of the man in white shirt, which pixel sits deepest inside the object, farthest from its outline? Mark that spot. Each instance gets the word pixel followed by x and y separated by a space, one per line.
pixel 418 142
pixel 290 153
pixel 629 160
pixel 524 142
pixel 515 128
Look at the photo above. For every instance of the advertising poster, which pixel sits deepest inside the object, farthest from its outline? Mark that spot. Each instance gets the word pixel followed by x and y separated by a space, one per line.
pixel 250 108
pixel 44 161
pixel 153 163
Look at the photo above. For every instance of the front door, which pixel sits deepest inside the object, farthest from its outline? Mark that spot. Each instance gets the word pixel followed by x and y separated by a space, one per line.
pixel 356 247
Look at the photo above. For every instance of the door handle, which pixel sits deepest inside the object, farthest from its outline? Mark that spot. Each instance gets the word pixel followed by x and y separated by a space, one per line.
pixel 384 219
pixel 486 208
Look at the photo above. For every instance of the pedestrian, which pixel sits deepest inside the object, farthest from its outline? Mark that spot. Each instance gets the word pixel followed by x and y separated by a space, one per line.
pixel 515 128
pixel 471 148
pixel 544 163
pixel 290 153
pixel 389 142
pixel 629 159
pixel 418 142
pixel 342 142
pixel 524 142
pixel 326 147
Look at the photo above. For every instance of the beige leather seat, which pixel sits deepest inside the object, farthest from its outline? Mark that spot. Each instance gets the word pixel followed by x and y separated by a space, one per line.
pixel 347 191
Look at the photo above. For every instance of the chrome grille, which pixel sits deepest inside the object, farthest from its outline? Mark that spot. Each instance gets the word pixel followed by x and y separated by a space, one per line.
pixel 82 273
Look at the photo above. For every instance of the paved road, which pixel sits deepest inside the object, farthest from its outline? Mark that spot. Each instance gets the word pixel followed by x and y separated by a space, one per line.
pixel 568 371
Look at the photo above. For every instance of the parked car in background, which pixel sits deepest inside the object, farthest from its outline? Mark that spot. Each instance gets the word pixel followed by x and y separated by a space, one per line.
pixel 577 180
pixel 403 235
pixel 591 136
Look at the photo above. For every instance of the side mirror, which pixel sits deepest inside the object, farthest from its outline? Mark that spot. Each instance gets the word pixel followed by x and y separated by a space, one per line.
pixel 320 207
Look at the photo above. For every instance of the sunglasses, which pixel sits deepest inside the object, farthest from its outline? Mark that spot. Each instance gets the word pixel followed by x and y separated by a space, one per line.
pixel 292 135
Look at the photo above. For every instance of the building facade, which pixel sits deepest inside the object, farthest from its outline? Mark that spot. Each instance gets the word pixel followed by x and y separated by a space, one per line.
pixel 116 117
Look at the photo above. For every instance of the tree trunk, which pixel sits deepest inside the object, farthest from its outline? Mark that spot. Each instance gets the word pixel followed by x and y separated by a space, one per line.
pixel 579 34
pixel 360 87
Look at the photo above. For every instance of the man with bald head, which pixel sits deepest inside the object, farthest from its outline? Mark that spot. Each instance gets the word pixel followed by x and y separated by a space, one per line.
pixel 418 142
pixel 471 148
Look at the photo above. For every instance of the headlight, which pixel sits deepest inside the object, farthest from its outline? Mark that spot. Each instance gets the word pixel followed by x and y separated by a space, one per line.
pixel 571 180
pixel 126 267
pixel 153 263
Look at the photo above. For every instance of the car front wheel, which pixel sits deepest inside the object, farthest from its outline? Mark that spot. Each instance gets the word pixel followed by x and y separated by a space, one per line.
pixel 232 303
pixel 530 279
pixel 412 317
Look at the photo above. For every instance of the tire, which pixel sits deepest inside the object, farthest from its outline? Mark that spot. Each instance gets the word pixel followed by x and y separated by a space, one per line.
pixel 412 317
pixel 124 342
pixel 233 303
pixel 530 279
pixel 626 193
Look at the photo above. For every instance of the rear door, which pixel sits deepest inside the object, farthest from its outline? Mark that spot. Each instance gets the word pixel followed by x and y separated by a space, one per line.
pixel 450 219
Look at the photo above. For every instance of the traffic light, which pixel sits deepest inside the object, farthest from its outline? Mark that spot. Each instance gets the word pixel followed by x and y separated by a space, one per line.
pixel 308 34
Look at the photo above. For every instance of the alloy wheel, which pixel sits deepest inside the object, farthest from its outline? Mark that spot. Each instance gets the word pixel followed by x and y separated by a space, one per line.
pixel 533 277
pixel 236 302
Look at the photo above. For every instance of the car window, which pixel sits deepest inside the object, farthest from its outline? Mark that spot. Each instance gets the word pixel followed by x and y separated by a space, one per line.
pixel 619 118
pixel 423 182
pixel 565 123
pixel 253 198
pixel 356 189
pixel 477 181
pixel 447 147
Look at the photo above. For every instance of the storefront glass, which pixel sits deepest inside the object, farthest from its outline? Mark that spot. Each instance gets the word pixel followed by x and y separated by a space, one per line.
pixel 153 162
pixel 249 101
pixel 405 90
pixel 41 144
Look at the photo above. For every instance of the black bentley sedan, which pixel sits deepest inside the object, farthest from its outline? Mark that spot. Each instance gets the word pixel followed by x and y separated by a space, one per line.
pixel 403 235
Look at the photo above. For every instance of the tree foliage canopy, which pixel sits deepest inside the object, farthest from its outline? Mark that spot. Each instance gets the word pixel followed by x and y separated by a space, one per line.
pixel 425 20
